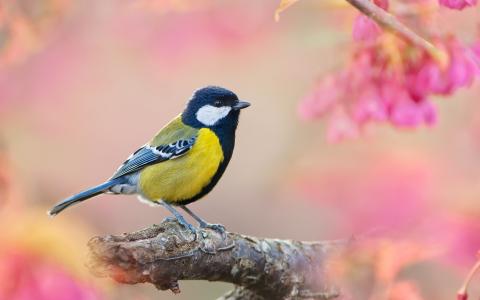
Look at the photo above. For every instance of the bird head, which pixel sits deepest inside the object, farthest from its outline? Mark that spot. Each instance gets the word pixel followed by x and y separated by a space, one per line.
pixel 212 107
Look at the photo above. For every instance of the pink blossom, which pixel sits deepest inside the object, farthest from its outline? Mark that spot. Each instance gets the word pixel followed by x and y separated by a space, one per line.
pixel 408 113
pixel 462 69
pixel 462 297
pixel 457 4
pixel 423 78
pixel 373 88
pixel 382 3
pixel 365 29
pixel 370 106
pixel 426 76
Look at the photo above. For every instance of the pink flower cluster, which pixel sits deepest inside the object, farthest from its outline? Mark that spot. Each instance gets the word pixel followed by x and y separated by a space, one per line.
pixel 457 4
pixel 389 81
pixel 428 77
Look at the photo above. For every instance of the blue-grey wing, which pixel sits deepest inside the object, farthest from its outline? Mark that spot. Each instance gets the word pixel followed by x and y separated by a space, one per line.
pixel 148 155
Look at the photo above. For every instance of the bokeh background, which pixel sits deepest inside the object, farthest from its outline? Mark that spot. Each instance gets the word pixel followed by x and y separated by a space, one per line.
pixel 84 83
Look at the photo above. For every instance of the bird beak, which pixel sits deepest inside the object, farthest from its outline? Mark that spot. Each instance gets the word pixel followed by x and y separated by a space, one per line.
pixel 241 105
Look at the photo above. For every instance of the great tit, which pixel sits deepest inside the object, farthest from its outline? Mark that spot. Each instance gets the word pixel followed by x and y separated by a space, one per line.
pixel 183 161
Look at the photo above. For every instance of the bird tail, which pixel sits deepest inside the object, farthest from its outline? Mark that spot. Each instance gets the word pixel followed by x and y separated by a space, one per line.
pixel 82 196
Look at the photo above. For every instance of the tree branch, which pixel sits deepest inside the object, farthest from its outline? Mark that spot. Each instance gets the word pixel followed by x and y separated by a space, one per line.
pixel 259 268
pixel 390 22
pixel 385 20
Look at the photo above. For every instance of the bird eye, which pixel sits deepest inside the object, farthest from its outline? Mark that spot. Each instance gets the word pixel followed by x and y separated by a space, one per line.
pixel 217 103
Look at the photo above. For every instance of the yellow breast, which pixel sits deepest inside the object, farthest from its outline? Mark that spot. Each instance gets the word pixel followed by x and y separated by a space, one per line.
pixel 184 177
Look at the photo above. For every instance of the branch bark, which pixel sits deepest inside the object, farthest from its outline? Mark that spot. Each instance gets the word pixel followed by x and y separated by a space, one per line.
pixel 259 268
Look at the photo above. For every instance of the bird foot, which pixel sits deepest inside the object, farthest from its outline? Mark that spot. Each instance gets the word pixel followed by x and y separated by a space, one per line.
pixel 188 226
pixel 215 227
pixel 183 223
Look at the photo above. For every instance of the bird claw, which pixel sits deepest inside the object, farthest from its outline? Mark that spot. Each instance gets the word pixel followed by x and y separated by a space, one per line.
pixel 187 225
pixel 215 227
pixel 170 219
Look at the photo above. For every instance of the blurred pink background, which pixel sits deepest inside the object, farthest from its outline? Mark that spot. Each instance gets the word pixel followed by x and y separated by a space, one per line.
pixel 102 77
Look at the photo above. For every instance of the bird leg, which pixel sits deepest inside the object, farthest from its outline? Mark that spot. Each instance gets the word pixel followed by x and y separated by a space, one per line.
pixel 178 216
pixel 202 223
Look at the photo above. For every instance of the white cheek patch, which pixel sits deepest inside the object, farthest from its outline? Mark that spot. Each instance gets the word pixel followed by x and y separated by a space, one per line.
pixel 209 115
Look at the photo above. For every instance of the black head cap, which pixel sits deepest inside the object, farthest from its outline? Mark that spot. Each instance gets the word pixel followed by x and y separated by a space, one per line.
pixel 213 106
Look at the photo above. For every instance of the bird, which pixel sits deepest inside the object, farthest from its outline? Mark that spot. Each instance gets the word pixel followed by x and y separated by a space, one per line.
pixel 183 162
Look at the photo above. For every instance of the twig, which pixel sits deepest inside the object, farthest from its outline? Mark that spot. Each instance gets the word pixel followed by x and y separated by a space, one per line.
pixel 390 22
pixel 462 292
pixel 387 21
